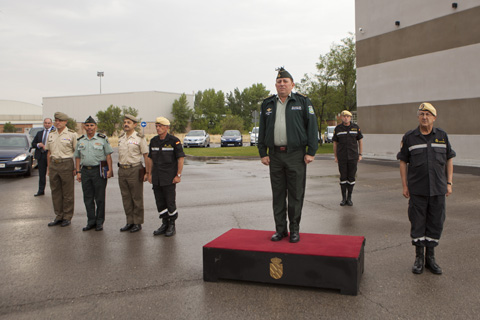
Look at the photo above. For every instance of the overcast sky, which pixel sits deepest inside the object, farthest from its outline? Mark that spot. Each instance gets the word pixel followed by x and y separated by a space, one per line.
pixel 52 48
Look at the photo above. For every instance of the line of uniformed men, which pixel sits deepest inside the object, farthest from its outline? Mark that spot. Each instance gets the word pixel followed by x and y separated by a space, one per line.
pixel 93 166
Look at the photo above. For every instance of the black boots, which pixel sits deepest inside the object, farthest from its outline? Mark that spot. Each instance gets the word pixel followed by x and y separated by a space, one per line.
pixel 162 229
pixel 349 197
pixel 343 187
pixel 419 256
pixel 346 200
pixel 430 262
pixel 171 228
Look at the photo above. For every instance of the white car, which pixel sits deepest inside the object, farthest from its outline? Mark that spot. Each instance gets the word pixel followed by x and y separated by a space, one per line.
pixel 254 136
pixel 328 136
pixel 197 138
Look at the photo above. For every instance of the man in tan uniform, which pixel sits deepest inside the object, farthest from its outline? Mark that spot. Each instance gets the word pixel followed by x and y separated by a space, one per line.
pixel 61 145
pixel 132 147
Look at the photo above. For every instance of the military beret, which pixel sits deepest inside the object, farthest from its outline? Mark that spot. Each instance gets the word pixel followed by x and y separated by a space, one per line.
pixel 130 117
pixel 428 107
pixel 346 113
pixel 162 120
pixel 90 120
pixel 282 73
pixel 61 116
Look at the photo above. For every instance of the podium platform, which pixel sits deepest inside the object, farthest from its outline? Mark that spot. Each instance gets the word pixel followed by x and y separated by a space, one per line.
pixel 318 260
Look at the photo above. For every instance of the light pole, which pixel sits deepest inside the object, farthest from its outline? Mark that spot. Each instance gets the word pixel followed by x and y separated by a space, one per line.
pixel 100 75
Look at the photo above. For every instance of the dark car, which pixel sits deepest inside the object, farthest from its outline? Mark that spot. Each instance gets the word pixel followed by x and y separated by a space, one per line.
pixel 33 131
pixel 15 154
pixel 231 138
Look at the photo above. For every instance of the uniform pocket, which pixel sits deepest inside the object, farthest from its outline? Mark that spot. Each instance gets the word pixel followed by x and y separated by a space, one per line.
pixel 441 155
pixel 417 157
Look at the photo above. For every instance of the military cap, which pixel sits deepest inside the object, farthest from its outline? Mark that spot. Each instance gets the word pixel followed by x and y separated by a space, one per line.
pixel 282 73
pixel 346 113
pixel 428 107
pixel 90 120
pixel 133 118
pixel 61 116
pixel 162 120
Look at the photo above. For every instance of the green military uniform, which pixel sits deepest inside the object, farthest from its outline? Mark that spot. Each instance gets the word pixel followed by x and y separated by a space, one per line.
pixel 61 147
pixel 287 165
pixel 91 153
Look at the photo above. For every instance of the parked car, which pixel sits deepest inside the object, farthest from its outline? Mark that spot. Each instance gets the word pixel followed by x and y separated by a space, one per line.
pixel 254 136
pixel 33 131
pixel 328 135
pixel 16 156
pixel 197 138
pixel 231 138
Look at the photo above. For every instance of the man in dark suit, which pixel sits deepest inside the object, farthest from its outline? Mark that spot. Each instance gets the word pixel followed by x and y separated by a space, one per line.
pixel 39 143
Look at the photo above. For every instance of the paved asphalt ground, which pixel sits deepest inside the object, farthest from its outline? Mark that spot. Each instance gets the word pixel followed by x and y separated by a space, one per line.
pixel 64 273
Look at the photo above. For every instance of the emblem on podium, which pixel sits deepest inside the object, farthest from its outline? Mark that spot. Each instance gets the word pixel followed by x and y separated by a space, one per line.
pixel 276 268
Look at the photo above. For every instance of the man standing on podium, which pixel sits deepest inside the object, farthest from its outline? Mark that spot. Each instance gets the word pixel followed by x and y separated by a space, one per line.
pixel 287 142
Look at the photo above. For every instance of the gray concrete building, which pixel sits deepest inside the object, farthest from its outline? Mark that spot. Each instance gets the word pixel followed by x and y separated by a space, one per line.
pixel 150 104
pixel 409 52
pixel 22 115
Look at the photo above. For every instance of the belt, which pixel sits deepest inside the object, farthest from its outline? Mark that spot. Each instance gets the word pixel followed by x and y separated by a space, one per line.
pixel 280 148
pixel 126 166
pixel 90 167
pixel 60 160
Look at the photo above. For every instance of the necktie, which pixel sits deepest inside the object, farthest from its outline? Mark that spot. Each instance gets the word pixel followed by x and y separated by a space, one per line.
pixel 44 139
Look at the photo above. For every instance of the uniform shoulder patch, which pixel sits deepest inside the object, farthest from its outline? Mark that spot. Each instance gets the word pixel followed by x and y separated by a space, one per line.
pixel 101 135
pixel 81 137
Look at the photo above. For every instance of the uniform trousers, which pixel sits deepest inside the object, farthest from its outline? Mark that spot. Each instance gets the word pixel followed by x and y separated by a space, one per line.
pixel 131 189
pixel 62 185
pixel 287 177
pixel 93 186
pixel 426 215
pixel 165 199
pixel 348 170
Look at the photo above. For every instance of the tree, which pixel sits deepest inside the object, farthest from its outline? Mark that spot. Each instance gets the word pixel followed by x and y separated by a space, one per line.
pixel 209 105
pixel 231 122
pixel 110 121
pixel 181 114
pixel 9 127
pixel 72 124
pixel 244 103
pixel 333 88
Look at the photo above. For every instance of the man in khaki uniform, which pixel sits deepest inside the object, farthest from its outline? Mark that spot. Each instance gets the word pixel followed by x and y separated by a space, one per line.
pixel 61 145
pixel 132 147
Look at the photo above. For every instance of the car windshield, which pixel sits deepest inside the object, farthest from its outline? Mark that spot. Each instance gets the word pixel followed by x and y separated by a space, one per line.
pixel 231 133
pixel 13 141
pixel 195 133
pixel 34 131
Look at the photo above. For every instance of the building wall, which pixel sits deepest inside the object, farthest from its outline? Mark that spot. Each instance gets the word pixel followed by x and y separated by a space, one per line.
pixel 150 105
pixel 431 56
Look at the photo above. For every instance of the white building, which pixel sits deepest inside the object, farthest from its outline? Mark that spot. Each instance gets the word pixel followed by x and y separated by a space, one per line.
pixel 21 114
pixel 409 52
pixel 150 105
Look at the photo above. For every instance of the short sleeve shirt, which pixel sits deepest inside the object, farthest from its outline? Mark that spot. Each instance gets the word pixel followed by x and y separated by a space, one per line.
pixel 92 151
pixel 62 145
pixel 131 149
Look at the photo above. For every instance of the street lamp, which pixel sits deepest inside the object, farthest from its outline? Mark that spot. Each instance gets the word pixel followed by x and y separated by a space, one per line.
pixel 100 75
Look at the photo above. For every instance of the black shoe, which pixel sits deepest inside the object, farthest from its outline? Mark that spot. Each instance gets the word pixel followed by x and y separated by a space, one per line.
pixel 65 223
pixel 430 262
pixel 99 228
pixel 162 229
pixel 126 227
pixel 279 236
pixel 54 223
pixel 349 202
pixel 419 258
pixel 135 228
pixel 343 202
pixel 171 228
pixel 88 227
pixel 294 237
pixel 39 194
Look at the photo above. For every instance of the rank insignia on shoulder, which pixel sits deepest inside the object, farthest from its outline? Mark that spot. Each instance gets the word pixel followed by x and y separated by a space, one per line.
pixel 53 129
pixel 101 135
pixel 301 94
pixel 122 135
pixel 140 135
pixel 81 137
pixel 73 131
